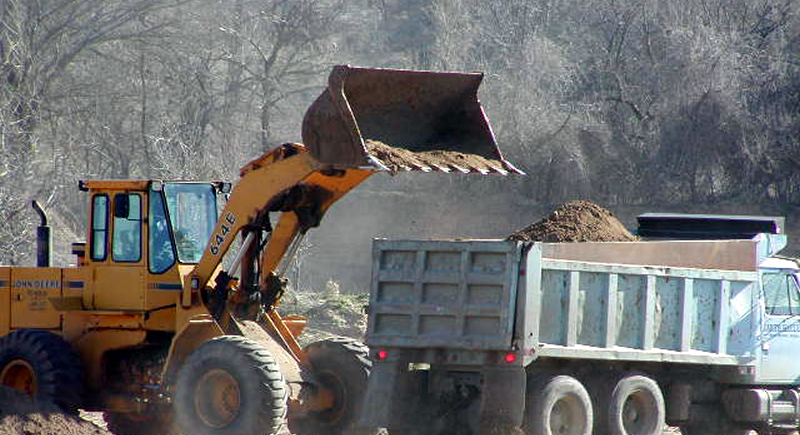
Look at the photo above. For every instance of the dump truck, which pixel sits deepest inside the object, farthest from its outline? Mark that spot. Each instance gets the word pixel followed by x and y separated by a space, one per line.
pixel 150 328
pixel 480 336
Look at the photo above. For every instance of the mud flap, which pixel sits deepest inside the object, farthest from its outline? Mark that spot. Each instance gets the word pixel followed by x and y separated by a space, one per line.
pixel 376 409
pixel 502 397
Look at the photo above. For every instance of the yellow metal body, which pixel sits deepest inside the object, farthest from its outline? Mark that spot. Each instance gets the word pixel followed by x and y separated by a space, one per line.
pixel 104 305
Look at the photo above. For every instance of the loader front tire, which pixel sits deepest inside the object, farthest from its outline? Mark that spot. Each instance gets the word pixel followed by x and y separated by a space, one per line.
pixel 342 366
pixel 42 365
pixel 230 385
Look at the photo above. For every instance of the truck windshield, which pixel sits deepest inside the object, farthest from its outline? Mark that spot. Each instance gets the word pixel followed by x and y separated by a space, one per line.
pixel 781 293
pixel 192 215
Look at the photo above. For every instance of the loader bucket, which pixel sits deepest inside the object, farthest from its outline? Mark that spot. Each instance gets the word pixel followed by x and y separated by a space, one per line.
pixel 402 120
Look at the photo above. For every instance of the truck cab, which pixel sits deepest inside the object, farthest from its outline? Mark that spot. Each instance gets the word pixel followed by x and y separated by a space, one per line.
pixel 779 341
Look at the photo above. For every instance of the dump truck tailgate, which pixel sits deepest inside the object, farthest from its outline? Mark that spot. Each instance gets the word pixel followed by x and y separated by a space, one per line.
pixel 448 294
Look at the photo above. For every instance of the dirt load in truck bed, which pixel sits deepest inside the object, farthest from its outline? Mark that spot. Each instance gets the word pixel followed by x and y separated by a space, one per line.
pixel 576 221
pixel 400 159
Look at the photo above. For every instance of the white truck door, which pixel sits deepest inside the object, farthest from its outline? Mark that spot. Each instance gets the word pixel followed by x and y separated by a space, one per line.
pixel 780 331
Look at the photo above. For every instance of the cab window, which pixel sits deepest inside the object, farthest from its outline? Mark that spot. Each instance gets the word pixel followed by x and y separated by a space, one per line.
pixel 781 296
pixel 127 237
pixel 162 253
pixel 192 210
pixel 99 227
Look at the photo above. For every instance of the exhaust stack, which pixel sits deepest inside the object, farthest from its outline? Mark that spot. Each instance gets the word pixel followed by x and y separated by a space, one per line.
pixel 44 240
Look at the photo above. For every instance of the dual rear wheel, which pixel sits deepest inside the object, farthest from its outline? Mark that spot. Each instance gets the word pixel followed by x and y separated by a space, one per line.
pixel 561 405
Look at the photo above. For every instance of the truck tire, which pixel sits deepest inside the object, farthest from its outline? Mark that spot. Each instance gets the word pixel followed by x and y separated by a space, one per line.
pixel 124 423
pixel 557 405
pixel 636 407
pixel 230 385
pixel 343 366
pixel 42 365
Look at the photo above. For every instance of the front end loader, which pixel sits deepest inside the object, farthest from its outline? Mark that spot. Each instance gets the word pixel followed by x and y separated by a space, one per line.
pixel 151 329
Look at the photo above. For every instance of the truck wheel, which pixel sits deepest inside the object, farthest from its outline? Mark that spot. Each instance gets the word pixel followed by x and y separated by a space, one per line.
pixel 341 365
pixel 124 423
pixel 230 385
pixel 42 365
pixel 636 407
pixel 557 405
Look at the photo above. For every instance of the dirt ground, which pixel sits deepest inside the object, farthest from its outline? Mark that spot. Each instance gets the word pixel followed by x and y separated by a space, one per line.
pixel 20 415
pixel 576 221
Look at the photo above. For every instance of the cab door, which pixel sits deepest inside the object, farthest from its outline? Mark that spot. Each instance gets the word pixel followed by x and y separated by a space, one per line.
pixel 117 251
pixel 780 330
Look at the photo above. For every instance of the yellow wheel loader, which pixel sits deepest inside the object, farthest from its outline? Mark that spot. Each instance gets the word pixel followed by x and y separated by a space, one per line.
pixel 152 330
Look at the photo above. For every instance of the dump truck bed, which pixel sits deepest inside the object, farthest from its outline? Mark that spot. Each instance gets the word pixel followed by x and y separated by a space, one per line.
pixel 544 300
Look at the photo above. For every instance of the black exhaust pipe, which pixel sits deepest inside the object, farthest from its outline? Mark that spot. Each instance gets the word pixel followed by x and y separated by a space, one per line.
pixel 44 240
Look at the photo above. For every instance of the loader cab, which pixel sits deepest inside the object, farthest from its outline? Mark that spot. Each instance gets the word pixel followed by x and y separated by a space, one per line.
pixel 143 236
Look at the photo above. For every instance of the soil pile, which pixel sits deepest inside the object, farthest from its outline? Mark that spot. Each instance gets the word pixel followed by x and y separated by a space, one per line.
pixel 576 221
pixel 401 159
pixel 20 415
pixel 329 313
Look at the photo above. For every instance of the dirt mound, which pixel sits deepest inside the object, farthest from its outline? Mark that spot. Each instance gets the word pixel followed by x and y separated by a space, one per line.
pixel 329 313
pixel 20 415
pixel 401 159
pixel 576 221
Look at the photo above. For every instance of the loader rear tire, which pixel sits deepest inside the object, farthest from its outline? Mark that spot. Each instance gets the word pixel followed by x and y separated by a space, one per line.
pixel 557 405
pixel 42 365
pixel 341 365
pixel 230 385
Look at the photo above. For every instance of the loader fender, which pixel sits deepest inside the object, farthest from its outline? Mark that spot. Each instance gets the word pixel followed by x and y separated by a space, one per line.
pixel 194 333
pixel 294 375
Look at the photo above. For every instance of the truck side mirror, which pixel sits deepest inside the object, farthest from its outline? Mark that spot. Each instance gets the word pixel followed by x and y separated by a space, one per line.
pixel 122 206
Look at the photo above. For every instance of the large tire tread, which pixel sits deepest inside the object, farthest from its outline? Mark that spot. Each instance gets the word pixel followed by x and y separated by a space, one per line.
pixel 58 368
pixel 240 353
pixel 349 359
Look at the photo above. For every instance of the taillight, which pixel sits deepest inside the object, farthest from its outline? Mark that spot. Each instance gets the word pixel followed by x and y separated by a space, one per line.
pixel 510 357
pixel 382 354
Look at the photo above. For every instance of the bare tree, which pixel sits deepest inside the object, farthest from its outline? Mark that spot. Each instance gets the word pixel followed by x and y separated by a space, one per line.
pixel 39 42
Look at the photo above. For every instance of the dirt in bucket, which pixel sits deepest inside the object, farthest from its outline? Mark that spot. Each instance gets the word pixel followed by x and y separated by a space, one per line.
pixel 401 159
